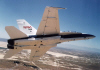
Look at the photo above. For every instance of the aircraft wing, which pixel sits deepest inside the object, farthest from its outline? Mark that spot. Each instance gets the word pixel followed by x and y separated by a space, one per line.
pixel 50 22
pixel 37 53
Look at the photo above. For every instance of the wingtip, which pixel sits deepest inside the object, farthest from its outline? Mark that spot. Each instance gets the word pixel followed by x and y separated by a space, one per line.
pixel 55 7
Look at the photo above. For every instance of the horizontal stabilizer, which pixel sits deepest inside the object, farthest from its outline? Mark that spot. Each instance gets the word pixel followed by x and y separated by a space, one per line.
pixel 12 52
pixel 14 32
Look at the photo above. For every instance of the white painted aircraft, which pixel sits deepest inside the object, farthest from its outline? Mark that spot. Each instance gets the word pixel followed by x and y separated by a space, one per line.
pixel 39 41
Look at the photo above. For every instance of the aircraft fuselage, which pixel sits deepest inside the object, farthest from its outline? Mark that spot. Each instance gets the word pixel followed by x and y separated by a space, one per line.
pixel 42 40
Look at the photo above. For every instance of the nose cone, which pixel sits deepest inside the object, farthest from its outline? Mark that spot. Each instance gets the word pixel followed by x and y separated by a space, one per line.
pixel 92 36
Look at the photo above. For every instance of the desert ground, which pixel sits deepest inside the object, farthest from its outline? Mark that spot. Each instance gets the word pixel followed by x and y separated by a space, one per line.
pixel 54 59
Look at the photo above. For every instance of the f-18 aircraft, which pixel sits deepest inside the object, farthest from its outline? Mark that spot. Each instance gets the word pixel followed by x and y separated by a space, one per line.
pixel 47 35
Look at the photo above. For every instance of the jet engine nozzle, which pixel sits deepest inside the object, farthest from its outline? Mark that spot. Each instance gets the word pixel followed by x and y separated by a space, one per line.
pixel 11 41
pixel 10 46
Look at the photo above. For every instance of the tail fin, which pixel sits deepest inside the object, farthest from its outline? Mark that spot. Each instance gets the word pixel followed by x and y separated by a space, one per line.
pixel 14 32
pixel 25 27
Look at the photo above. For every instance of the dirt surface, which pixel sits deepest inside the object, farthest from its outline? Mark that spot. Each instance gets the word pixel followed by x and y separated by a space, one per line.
pixel 16 65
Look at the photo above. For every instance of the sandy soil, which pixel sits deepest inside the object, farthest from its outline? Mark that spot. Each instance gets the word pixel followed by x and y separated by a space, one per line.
pixel 60 54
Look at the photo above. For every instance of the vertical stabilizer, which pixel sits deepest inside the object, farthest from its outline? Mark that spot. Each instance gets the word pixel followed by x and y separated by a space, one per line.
pixel 25 27
pixel 50 22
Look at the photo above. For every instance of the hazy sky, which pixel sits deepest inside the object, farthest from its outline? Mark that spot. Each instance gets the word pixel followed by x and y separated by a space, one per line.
pixel 80 15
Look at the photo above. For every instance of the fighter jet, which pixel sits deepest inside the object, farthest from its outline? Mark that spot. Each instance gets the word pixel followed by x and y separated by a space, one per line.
pixel 47 35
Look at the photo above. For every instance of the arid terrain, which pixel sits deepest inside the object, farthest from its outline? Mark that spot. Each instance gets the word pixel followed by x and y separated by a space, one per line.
pixel 54 59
